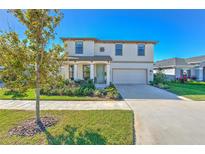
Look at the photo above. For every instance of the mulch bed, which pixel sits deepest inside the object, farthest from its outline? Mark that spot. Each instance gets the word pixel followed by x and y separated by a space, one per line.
pixel 30 128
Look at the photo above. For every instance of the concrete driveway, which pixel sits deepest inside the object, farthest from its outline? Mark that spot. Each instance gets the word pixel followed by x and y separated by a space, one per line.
pixel 169 121
pixel 136 92
pixel 162 117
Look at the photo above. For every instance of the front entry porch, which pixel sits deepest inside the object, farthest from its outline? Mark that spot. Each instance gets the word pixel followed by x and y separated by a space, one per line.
pixel 99 72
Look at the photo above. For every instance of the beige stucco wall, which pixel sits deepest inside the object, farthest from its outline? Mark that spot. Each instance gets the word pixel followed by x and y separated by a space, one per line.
pixel 129 52
pixel 88 48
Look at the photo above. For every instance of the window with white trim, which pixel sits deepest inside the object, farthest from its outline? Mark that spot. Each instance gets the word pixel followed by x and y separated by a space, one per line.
pixel 141 50
pixel 79 47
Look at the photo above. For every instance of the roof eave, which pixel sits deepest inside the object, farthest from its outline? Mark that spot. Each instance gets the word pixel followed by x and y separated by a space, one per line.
pixel 108 41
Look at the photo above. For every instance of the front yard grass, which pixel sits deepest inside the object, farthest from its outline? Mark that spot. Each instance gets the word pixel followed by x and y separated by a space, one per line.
pixel 99 127
pixel 191 90
pixel 30 95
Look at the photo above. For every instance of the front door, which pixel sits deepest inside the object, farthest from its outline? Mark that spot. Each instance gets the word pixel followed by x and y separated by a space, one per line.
pixel 100 73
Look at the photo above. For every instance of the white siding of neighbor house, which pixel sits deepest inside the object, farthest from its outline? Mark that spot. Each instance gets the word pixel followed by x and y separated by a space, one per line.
pixel 178 72
pixel 197 72
pixel 193 72
pixel 169 71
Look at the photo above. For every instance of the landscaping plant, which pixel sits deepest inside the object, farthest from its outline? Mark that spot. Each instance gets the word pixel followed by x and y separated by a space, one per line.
pixel 160 80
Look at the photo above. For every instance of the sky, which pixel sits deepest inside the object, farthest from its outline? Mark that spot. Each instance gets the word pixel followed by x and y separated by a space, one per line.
pixel 181 33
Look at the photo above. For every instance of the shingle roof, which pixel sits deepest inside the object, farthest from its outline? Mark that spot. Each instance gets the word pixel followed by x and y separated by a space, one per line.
pixel 196 59
pixel 172 62
pixel 109 41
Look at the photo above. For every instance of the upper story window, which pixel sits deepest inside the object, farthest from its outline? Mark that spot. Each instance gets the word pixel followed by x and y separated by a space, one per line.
pixel 102 49
pixel 79 47
pixel 141 50
pixel 118 49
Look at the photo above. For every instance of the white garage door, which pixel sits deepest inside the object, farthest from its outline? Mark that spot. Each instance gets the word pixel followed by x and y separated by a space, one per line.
pixel 129 76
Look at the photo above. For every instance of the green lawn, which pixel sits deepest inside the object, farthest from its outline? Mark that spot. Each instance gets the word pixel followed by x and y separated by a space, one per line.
pixel 30 95
pixel 192 90
pixel 89 127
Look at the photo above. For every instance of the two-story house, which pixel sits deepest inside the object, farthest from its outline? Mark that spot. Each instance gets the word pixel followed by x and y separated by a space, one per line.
pixel 105 61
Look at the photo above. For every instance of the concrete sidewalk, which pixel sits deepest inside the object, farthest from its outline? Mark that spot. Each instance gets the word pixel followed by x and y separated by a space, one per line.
pixel 64 105
pixel 156 121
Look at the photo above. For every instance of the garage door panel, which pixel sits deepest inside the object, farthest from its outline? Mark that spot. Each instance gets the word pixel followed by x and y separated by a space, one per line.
pixel 129 76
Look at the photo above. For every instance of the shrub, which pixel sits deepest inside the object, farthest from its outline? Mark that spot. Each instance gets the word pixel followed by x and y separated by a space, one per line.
pixel 15 93
pixel 66 82
pixel 111 92
pixel 183 79
pixel 151 83
pixel 52 92
pixel 67 92
pixel 77 92
pixel 98 93
pixel 87 92
pixel 159 77
pixel 113 95
pixel 88 84
pixel 86 88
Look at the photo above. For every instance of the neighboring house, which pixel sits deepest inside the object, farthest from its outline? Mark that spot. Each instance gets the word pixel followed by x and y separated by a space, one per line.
pixel 174 68
pixel 105 61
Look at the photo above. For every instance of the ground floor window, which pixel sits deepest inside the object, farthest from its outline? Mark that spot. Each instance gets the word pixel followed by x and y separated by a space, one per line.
pixel 86 72
pixel 71 72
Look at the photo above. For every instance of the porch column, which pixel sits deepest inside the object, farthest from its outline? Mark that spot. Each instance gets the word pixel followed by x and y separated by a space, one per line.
pixel 200 74
pixel 92 71
pixel 75 71
pixel 108 75
pixel 66 71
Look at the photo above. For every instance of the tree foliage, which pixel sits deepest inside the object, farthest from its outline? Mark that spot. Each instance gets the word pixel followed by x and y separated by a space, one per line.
pixel 18 63
pixel 33 61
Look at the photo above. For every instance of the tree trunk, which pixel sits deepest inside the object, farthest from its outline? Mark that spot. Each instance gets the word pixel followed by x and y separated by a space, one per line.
pixel 38 120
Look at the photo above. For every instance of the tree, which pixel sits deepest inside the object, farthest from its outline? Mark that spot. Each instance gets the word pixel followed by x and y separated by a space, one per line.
pixel 17 62
pixel 35 61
